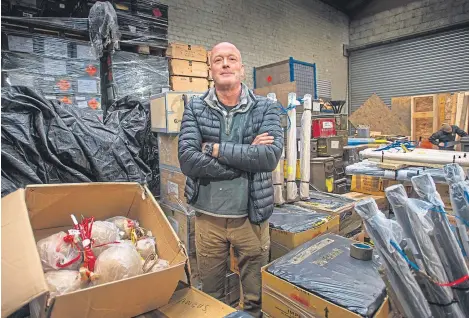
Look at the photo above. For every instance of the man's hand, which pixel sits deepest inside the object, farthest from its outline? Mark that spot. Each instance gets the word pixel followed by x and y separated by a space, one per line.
pixel 263 139
pixel 441 144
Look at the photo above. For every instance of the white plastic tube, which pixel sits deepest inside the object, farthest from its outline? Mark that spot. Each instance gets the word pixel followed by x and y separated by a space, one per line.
pixel 292 189
pixel 278 177
pixel 305 151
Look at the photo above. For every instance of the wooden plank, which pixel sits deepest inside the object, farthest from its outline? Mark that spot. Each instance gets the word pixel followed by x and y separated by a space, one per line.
pixel 459 109
pixel 391 166
pixel 423 104
pixel 377 115
pixel 444 108
pixel 454 101
pixel 466 105
pixel 400 107
pixel 423 114
pixel 281 90
pixel 408 163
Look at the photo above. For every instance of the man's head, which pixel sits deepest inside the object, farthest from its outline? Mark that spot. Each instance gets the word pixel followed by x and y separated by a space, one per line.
pixel 226 65
pixel 446 128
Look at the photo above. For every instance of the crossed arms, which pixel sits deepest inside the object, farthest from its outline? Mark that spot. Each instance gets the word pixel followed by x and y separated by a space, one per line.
pixel 229 160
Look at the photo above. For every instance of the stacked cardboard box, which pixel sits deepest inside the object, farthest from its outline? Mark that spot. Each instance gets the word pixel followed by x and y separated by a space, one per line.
pixel 188 67
pixel 210 78
pixel 59 68
pixel 291 226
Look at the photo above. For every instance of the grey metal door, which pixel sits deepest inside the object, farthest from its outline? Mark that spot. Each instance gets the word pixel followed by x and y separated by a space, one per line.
pixel 430 64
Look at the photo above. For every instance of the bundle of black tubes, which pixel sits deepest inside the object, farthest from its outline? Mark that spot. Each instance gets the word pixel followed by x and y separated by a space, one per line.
pixel 422 254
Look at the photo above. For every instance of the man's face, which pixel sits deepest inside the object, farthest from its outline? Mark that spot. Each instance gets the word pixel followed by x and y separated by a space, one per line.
pixel 226 65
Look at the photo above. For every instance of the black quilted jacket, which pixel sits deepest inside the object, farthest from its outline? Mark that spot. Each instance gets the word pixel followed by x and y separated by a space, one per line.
pixel 201 123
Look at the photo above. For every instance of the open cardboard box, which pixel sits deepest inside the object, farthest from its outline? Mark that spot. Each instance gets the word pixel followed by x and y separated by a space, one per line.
pixel 36 212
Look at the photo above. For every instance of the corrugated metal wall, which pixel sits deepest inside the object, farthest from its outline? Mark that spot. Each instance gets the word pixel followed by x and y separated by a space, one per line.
pixel 430 64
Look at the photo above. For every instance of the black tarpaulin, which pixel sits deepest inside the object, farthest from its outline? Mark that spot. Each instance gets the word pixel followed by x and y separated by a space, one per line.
pixel 296 219
pixel 49 142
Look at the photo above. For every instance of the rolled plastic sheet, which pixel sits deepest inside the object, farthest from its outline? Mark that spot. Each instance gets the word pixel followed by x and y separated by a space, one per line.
pixel 305 151
pixel 278 178
pixel 384 233
pixel 459 192
pixel 420 155
pixel 414 217
pixel 459 196
pixel 324 267
pixel 444 239
pixel 292 189
pixel 294 219
pixel 371 168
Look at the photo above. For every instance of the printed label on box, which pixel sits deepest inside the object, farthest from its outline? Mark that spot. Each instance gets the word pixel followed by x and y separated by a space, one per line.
pixel 50 97
pixel 334 144
pixel 55 47
pixel 88 86
pixel 82 104
pixel 55 67
pixel 316 107
pixel 327 124
pixel 173 188
pixel 80 98
pixel 84 52
pixel 20 44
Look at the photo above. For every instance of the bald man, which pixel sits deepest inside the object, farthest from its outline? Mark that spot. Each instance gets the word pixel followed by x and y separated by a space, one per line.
pixel 229 144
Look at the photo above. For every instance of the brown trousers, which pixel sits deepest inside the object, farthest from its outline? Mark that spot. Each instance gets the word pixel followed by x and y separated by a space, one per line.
pixel 213 236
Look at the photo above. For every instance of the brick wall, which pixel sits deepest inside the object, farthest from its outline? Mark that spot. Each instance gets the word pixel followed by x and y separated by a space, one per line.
pixel 415 17
pixel 267 31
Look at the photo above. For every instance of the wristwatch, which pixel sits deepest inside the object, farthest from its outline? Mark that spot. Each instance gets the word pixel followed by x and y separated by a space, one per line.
pixel 208 149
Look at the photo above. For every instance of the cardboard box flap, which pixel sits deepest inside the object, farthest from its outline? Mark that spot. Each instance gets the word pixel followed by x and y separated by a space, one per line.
pixel 22 276
pixel 101 200
pixel 192 303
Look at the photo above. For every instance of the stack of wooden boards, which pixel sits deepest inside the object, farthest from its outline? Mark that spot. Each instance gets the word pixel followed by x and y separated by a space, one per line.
pixel 415 116
pixel 188 67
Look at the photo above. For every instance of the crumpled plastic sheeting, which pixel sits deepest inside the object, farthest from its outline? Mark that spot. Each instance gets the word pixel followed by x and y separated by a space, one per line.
pixel 296 219
pixel 143 142
pixel 48 142
pixel 104 31
pixel 324 267
pixel 139 75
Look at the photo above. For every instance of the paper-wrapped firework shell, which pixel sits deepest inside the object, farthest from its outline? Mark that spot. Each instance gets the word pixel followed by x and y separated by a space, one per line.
pixel 103 232
pixel 118 262
pixel 125 225
pixel 146 246
pixel 62 282
pixel 53 250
